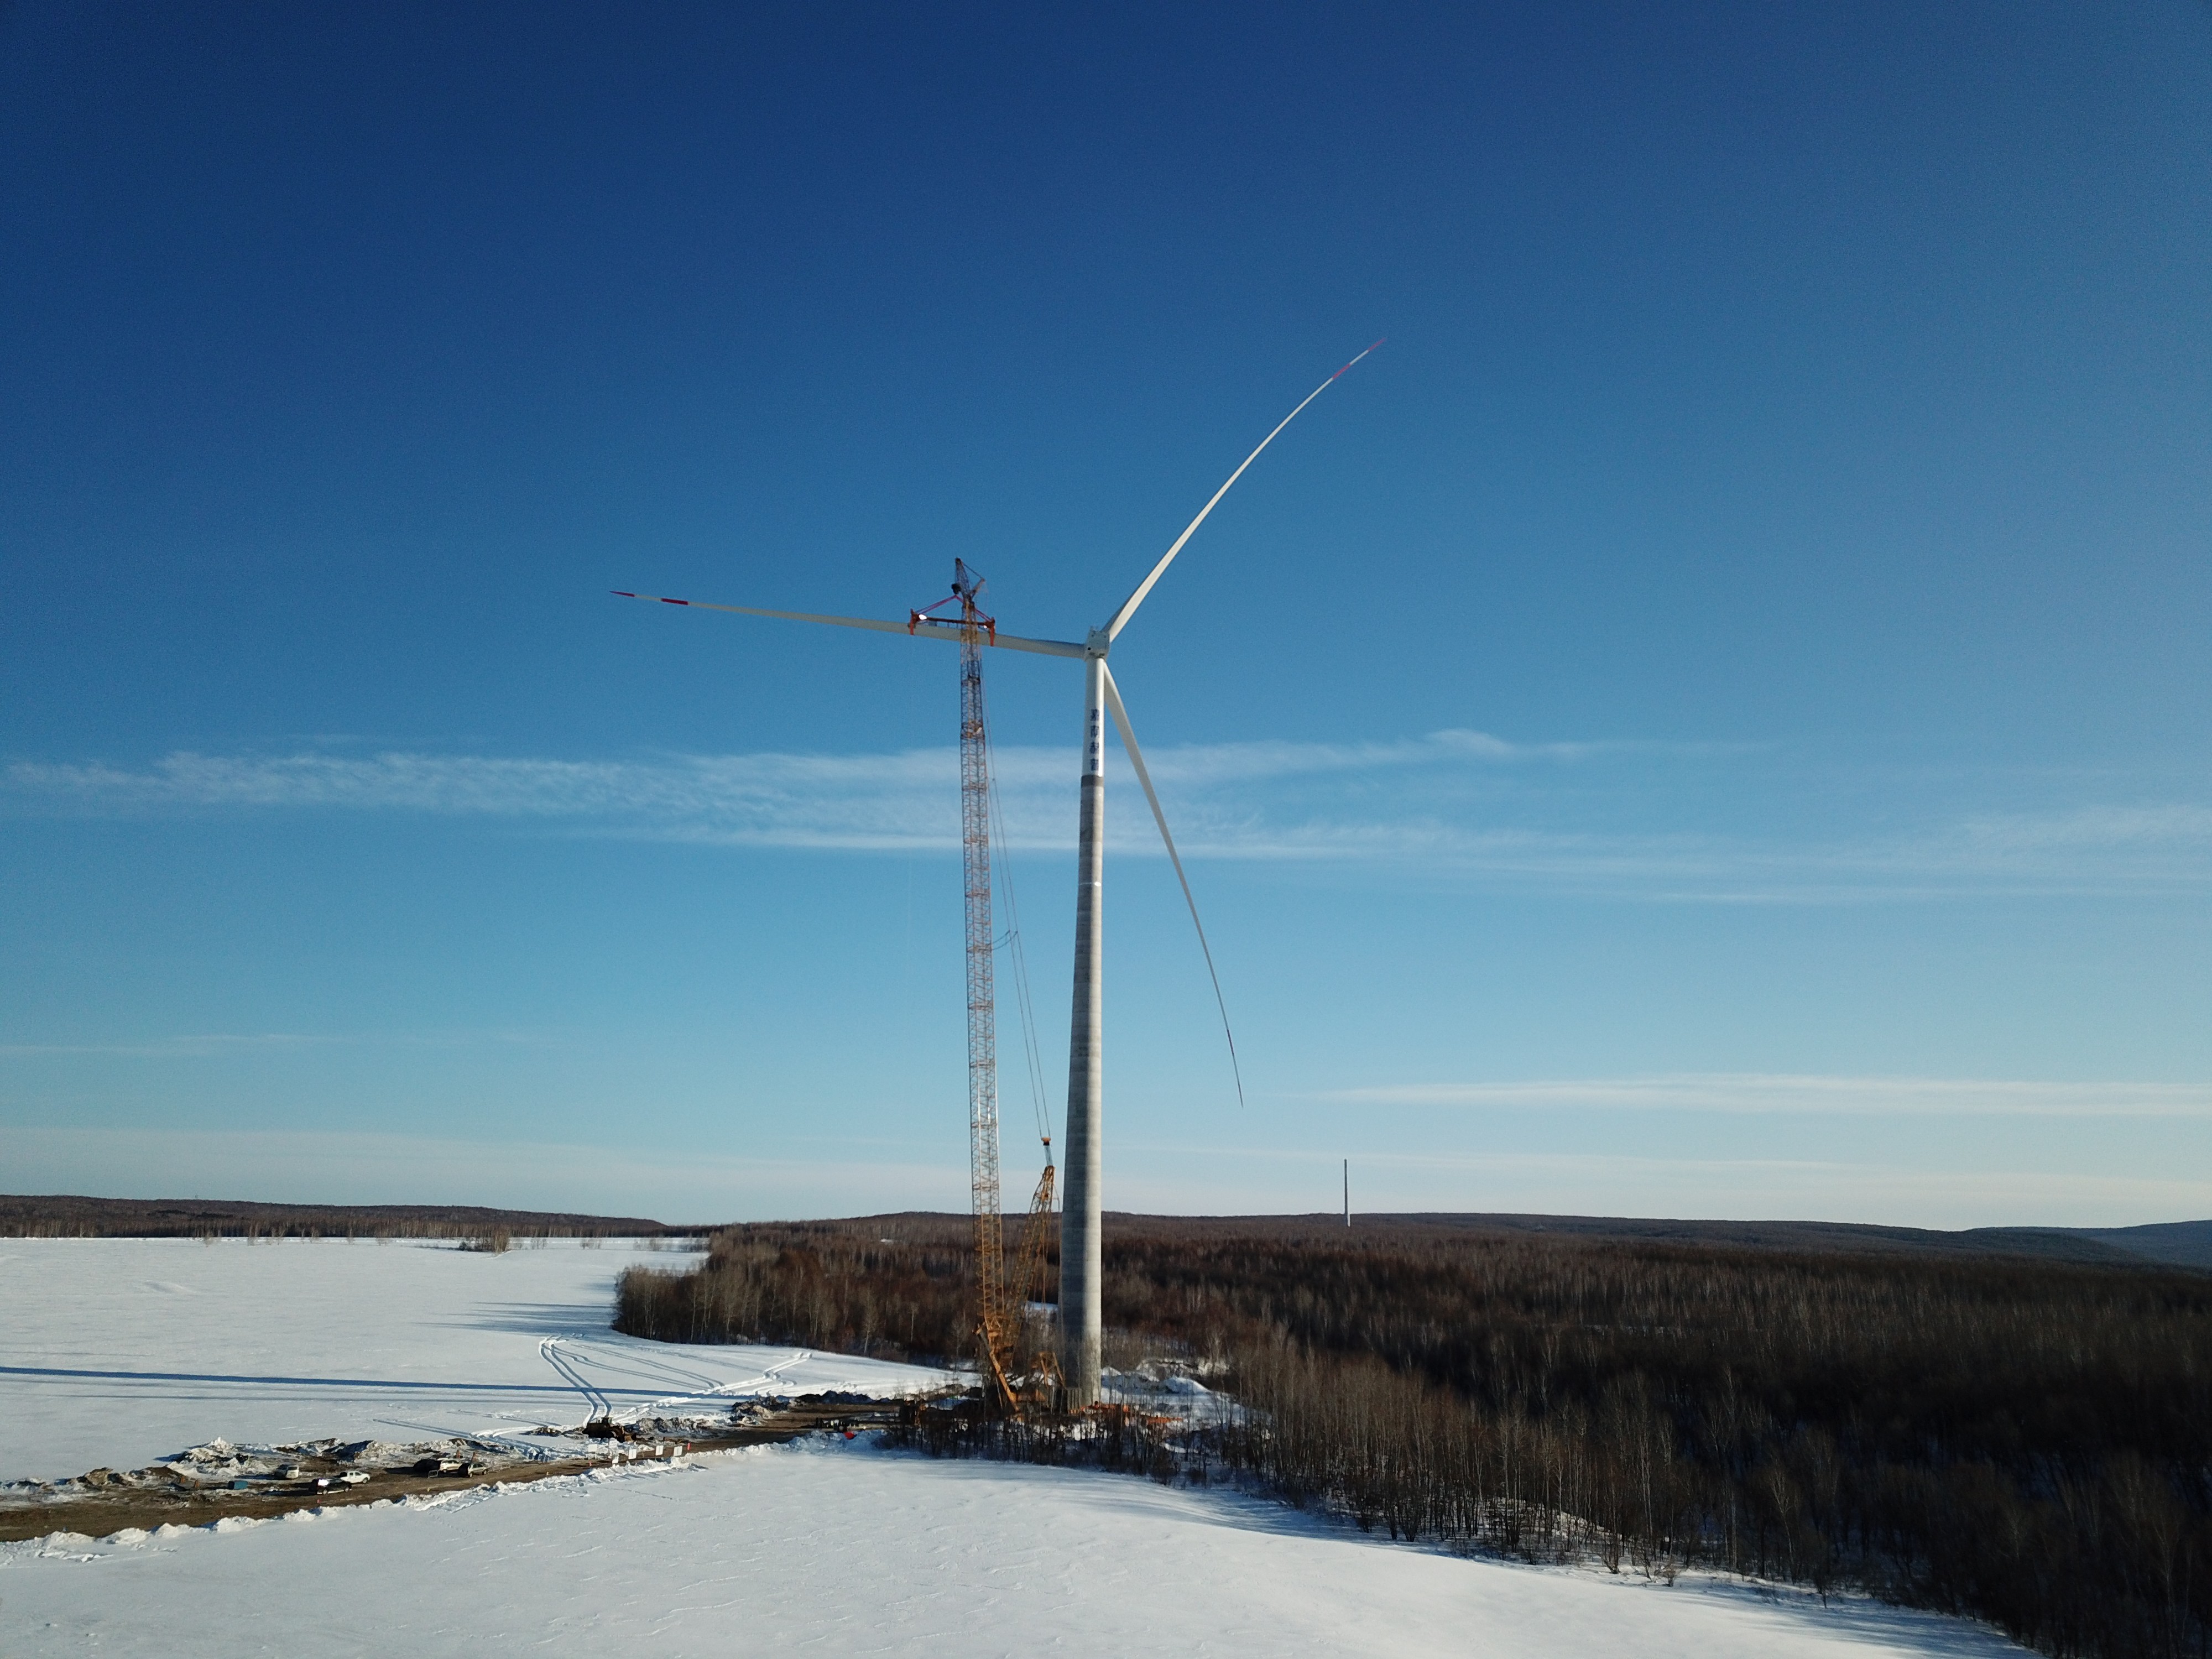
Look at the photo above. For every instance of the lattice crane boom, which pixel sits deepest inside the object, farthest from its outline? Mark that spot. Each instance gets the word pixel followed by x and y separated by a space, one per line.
pixel 982 941
pixel 1001 1299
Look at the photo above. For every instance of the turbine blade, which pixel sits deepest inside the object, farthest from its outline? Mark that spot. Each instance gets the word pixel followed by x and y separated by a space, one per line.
pixel 1041 648
pixel 1137 765
pixel 925 627
pixel 1121 618
pixel 786 616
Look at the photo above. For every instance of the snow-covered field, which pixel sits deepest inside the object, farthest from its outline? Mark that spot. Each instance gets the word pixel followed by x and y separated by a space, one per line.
pixel 116 1351
pixel 828 1547
pixel 837 1549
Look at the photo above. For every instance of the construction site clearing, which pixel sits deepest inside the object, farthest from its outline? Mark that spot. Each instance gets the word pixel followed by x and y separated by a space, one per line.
pixel 207 1484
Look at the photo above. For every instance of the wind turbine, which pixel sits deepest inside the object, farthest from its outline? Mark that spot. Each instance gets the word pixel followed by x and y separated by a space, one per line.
pixel 1081 1262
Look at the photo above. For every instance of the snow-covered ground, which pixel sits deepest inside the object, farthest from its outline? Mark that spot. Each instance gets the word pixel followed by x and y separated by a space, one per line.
pixel 126 1350
pixel 117 1352
pixel 839 1549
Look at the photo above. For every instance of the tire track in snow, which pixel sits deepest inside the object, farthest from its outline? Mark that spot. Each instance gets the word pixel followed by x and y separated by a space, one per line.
pixel 569 1356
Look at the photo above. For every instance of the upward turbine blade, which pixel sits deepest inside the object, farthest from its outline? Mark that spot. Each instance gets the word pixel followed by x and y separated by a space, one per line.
pixel 1121 618
pixel 1136 764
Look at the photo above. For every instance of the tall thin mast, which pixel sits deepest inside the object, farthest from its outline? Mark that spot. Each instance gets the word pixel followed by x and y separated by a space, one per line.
pixel 982 1032
pixel 1082 1238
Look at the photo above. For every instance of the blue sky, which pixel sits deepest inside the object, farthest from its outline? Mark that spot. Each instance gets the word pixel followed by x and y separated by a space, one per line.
pixel 1712 719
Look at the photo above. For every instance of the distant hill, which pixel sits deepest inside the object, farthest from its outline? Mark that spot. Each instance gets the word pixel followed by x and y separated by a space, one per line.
pixel 2182 1244
pixel 2169 1243
pixel 2173 1245
pixel 2051 1243
pixel 1807 1236
pixel 2178 1243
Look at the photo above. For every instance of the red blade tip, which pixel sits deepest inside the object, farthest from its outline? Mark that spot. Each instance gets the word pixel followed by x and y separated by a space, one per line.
pixel 1339 373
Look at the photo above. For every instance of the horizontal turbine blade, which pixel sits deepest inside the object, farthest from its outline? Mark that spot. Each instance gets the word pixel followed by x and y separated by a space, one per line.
pixel 1137 765
pixel 1121 618
pixel 926 629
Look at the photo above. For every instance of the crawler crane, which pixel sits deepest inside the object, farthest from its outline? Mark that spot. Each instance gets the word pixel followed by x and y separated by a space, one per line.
pixel 1002 1297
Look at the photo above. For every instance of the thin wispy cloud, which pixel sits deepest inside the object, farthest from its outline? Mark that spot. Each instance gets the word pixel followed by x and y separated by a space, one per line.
pixel 1655 822
pixel 470 783
pixel 2091 826
pixel 901 801
pixel 1800 1093
pixel 1226 763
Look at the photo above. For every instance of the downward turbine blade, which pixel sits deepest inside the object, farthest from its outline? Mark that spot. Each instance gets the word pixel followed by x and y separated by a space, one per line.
pixel 925 628
pixel 1120 618
pixel 1136 764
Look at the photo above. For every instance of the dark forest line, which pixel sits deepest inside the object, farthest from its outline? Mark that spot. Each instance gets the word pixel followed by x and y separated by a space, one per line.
pixel 2028 1440
pixel 65 1215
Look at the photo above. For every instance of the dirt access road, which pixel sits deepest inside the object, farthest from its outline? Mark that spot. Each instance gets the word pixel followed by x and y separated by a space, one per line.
pixel 102 1512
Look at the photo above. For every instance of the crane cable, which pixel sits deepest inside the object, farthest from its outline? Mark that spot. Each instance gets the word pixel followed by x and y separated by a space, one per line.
pixel 1015 958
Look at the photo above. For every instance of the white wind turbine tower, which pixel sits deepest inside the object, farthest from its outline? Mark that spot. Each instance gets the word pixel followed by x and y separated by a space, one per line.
pixel 1080 1239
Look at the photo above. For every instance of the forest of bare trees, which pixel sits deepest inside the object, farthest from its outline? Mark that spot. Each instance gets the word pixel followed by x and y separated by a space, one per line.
pixel 2026 1441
